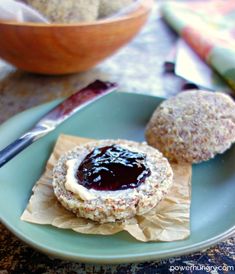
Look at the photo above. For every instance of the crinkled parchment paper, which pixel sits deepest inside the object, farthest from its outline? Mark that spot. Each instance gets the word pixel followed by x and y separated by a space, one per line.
pixel 168 221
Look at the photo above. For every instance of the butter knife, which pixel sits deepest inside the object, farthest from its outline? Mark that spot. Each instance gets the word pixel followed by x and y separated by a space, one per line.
pixel 56 116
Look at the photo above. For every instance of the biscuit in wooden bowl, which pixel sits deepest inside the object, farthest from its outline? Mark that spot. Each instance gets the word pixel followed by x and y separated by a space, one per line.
pixel 68 11
pixel 107 7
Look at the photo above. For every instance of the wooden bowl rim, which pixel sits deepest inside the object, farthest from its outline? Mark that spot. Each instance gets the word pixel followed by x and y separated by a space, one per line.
pixel 143 8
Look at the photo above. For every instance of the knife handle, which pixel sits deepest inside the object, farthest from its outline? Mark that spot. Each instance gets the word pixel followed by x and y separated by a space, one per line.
pixel 14 148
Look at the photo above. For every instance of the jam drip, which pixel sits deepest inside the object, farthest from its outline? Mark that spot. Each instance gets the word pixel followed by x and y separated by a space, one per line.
pixel 112 168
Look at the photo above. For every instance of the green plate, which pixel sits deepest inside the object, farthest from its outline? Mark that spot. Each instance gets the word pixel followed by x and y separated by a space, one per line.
pixel 118 115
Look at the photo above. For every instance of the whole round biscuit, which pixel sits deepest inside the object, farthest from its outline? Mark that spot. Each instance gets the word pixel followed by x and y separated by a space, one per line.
pixel 193 126
pixel 118 205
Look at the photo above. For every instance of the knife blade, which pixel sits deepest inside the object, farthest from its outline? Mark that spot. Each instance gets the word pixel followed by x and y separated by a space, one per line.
pixel 56 116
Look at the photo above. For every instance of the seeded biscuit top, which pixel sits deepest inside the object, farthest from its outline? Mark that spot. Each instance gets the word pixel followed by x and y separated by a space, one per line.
pixel 67 11
pixel 107 7
pixel 72 11
pixel 193 126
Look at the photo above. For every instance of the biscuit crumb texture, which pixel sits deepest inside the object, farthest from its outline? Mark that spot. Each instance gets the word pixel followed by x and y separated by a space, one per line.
pixel 107 7
pixel 113 206
pixel 193 126
pixel 67 11
pixel 74 11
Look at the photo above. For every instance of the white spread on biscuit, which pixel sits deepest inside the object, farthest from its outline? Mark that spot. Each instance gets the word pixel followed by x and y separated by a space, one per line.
pixel 85 194
pixel 72 184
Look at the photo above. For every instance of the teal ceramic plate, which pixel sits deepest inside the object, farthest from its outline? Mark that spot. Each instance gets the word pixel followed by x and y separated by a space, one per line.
pixel 119 115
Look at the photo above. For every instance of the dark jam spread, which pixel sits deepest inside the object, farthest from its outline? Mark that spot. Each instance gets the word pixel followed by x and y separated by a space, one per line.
pixel 112 168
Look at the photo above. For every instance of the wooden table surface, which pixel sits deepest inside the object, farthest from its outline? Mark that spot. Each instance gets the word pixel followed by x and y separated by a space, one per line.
pixel 138 67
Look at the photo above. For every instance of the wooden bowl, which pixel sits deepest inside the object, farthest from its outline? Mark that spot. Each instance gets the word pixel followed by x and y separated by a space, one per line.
pixel 68 48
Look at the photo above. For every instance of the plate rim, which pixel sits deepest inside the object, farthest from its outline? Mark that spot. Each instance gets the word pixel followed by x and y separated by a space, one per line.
pixel 109 259
pixel 116 259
